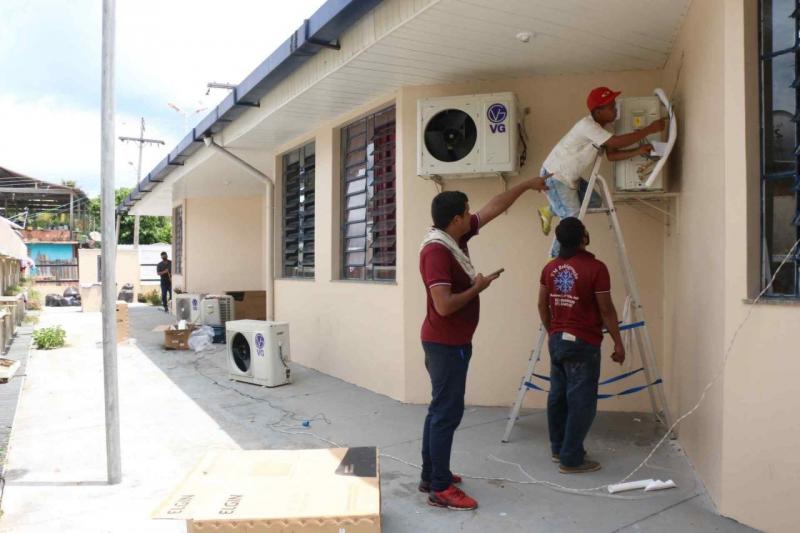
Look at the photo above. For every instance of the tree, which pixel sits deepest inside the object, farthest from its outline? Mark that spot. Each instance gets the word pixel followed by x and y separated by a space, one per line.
pixel 152 230
pixel 72 184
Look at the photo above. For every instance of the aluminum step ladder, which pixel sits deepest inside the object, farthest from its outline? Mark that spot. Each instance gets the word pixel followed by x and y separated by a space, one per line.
pixel 636 325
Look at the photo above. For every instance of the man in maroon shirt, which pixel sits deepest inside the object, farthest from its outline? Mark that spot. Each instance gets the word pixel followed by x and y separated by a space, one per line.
pixel 574 304
pixel 452 286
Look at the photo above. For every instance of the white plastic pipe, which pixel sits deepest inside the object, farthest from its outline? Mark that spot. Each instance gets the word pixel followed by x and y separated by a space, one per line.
pixel 630 485
pixel 269 198
pixel 660 485
pixel 673 135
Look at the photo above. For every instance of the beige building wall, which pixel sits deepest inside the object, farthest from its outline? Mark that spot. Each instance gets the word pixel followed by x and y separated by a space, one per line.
pixel 223 245
pixel 695 262
pixel 366 332
pixel 349 329
pixel 742 438
pixel 509 321
pixel 127 270
pixel 761 427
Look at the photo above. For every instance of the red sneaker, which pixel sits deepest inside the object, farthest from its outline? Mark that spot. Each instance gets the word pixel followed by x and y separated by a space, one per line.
pixel 452 498
pixel 425 486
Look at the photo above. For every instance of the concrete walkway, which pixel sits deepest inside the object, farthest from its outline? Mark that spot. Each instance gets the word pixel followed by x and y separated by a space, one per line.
pixel 177 405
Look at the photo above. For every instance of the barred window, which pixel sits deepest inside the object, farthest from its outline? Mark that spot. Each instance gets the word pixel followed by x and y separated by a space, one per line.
pixel 177 240
pixel 298 212
pixel 369 209
pixel 780 120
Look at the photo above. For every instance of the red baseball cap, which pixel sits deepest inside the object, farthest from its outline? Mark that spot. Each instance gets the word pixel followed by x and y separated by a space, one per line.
pixel 600 96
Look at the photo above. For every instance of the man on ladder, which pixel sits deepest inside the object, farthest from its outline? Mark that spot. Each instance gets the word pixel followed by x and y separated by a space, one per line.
pixel 576 151
pixel 574 304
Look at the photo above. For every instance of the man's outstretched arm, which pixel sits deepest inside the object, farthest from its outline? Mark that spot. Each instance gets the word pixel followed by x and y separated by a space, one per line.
pixel 504 200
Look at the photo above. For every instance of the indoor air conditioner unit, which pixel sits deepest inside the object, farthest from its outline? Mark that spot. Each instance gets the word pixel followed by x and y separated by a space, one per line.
pixel 216 310
pixel 468 136
pixel 187 307
pixel 645 173
pixel 258 352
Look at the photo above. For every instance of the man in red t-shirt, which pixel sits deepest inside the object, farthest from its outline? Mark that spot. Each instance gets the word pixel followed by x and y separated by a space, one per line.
pixel 452 286
pixel 574 304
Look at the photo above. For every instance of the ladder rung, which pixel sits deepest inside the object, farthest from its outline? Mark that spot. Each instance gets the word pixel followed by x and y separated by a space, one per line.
pixel 598 210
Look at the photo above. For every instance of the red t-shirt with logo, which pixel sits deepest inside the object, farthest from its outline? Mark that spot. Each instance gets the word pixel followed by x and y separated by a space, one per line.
pixel 572 284
pixel 438 267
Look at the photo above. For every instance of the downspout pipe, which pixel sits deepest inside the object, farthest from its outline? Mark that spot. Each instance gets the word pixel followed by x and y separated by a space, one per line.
pixel 269 198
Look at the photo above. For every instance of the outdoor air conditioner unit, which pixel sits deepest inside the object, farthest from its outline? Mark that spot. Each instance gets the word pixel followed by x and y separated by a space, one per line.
pixel 187 307
pixel 216 310
pixel 258 352
pixel 468 136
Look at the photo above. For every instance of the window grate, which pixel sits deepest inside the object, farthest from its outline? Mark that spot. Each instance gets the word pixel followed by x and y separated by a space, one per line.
pixel 369 242
pixel 177 239
pixel 780 132
pixel 298 212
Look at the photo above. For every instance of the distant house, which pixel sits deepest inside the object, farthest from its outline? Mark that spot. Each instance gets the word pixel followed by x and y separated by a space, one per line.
pixel 52 217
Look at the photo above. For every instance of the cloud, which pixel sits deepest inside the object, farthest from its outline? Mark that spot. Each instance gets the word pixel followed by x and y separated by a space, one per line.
pixel 166 52
pixel 52 141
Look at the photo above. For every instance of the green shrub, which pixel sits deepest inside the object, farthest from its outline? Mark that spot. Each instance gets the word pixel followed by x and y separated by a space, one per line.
pixel 49 338
pixel 12 290
pixel 34 300
pixel 153 297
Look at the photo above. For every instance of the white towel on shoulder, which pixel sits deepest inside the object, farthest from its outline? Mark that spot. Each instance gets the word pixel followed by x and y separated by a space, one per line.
pixel 438 236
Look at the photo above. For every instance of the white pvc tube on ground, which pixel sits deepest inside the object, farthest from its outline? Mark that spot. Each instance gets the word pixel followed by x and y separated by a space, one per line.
pixel 630 485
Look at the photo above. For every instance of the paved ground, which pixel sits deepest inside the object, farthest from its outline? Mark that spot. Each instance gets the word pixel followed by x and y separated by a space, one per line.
pixel 9 391
pixel 177 405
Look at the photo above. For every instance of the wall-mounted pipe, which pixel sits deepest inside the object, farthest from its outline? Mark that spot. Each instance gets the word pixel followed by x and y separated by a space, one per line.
pixel 269 200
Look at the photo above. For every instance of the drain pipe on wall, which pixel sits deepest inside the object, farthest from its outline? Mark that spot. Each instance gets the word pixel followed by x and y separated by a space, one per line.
pixel 269 200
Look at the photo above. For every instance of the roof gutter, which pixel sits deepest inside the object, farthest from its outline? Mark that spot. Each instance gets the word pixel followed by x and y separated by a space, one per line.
pixel 321 31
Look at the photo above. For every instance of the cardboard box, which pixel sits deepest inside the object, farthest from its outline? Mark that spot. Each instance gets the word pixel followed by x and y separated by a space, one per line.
pixel 91 298
pixel 249 305
pixel 280 491
pixel 178 339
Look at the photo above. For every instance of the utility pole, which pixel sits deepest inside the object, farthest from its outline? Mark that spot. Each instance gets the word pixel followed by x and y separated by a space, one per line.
pixel 142 141
pixel 109 251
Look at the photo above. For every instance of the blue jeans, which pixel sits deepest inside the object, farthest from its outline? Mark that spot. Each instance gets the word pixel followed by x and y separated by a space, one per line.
pixel 447 367
pixel 566 202
pixel 572 401
pixel 166 290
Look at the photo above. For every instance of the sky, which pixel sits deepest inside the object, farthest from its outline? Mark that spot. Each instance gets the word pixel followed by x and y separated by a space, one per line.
pixel 166 52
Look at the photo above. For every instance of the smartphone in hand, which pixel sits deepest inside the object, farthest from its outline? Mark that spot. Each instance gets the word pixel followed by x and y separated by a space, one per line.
pixel 497 273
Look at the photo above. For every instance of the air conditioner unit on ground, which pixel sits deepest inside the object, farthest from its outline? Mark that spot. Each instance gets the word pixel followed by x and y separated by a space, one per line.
pixel 216 310
pixel 468 136
pixel 643 173
pixel 258 352
pixel 187 307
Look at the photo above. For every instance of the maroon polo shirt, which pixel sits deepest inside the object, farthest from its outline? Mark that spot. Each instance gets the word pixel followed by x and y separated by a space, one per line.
pixel 573 284
pixel 438 267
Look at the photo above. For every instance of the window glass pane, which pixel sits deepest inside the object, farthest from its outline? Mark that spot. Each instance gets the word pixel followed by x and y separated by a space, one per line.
pixel 359 243
pixel 356 215
pixel 356 230
pixel 356 186
pixel 779 108
pixel 356 258
pixel 359 200
pixel 780 209
pixel 778 25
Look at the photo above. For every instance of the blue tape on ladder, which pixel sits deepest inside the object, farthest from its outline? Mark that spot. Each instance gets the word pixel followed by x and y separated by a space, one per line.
pixel 632 390
pixel 632 325
pixel 606 382
pixel 625 392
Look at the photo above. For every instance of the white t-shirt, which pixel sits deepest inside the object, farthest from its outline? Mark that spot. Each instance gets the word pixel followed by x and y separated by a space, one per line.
pixel 576 151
